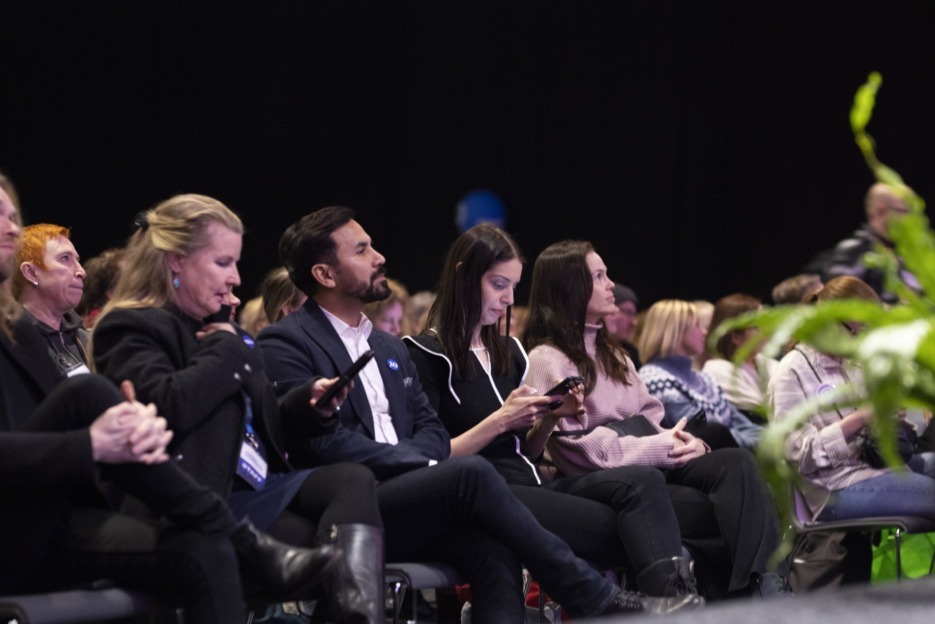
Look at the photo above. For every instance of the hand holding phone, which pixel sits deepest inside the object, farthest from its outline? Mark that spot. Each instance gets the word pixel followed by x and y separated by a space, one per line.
pixel 345 378
pixel 563 387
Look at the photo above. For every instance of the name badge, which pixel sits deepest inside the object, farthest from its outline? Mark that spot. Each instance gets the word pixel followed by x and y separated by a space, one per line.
pixel 79 369
pixel 251 466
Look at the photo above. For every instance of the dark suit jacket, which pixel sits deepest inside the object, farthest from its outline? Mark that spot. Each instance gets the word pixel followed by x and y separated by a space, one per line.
pixel 305 346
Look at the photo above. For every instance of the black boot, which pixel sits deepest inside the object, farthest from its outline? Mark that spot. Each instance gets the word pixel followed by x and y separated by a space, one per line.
pixel 631 602
pixel 273 571
pixel 674 578
pixel 771 585
pixel 356 586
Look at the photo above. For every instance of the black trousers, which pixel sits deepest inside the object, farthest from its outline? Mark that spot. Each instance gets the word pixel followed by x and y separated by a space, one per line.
pixel 743 509
pixel 462 512
pixel 188 558
pixel 342 493
pixel 611 517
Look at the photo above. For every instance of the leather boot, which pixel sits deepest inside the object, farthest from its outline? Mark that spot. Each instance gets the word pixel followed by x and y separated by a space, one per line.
pixel 668 577
pixel 356 586
pixel 274 571
pixel 635 602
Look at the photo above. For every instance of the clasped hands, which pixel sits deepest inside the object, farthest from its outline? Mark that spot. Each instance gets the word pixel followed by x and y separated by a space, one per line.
pixel 129 432
pixel 685 446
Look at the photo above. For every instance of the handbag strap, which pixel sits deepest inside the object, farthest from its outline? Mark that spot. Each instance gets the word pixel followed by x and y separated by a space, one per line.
pixel 817 378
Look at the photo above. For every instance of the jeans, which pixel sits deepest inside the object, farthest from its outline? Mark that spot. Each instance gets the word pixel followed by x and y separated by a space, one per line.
pixel 896 493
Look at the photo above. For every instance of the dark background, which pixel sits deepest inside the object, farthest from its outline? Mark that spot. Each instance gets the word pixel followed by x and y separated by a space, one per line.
pixel 703 147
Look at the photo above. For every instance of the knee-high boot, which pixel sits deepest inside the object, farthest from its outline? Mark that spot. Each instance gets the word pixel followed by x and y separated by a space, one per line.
pixel 356 583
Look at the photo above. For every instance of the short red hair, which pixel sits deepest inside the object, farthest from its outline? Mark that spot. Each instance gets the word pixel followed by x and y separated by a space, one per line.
pixel 32 249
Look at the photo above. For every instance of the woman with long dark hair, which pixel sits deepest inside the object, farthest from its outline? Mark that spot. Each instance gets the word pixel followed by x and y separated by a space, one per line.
pixel 474 377
pixel 571 293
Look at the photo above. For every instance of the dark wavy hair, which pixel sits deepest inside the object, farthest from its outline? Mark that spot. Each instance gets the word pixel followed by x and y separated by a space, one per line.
pixel 558 303
pixel 308 242
pixel 457 307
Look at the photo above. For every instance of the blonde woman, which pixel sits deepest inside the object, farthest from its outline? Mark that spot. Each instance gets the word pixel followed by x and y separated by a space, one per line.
pixel 168 330
pixel 673 333
pixel 389 314
pixel 280 296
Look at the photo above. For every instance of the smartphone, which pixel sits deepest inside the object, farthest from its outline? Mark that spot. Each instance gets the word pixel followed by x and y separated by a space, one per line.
pixel 221 316
pixel 345 378
pixel 563 387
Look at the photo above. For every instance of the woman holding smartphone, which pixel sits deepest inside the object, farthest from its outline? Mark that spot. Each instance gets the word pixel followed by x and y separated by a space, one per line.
pixel 168 330
pixel 570 295
pixel 474 377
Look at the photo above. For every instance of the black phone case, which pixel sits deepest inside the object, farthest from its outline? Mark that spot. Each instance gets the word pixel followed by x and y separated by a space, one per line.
pixel 345 378
pixel 563 387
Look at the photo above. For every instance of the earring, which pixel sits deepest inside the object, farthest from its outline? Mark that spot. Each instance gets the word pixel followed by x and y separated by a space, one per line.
pixel 175 281
pixel 36 283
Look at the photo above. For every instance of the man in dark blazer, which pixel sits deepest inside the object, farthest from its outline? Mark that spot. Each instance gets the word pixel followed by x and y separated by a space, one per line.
pixel 459 510
pixel 60 438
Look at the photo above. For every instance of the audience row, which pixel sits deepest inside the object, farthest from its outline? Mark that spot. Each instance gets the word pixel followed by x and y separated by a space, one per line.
pixel 449 445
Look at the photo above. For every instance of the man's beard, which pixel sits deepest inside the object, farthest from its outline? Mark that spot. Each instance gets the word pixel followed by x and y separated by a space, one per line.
pixel 368 292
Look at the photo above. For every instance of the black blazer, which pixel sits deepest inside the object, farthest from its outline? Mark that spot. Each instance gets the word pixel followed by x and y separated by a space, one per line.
pixel 199 387
pixel 37 470
pixel 304 346
pixel 28 374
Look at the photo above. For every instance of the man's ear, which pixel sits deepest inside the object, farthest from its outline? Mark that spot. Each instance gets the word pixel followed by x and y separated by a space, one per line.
pixel 174 260
pixel 324 275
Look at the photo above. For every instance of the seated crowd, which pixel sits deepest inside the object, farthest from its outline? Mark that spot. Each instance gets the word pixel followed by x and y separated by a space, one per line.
pixel 202 461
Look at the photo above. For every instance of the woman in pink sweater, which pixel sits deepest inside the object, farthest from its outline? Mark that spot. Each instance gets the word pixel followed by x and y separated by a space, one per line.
pixel 570 295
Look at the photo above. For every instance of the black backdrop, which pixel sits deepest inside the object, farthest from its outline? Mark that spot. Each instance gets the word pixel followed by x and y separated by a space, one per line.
pixel 703 147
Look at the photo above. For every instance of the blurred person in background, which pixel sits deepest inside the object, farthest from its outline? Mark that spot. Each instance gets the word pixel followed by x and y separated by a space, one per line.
pixel 388 314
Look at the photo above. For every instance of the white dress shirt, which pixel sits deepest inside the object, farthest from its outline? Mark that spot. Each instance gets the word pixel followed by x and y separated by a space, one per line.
pixel 355 341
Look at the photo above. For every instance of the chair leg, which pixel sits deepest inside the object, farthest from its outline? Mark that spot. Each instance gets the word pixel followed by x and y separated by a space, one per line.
pixel 899 561
pixel 397 590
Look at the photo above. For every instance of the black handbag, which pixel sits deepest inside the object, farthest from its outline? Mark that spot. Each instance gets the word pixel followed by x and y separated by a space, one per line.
pixel 905 447
pixel 636 425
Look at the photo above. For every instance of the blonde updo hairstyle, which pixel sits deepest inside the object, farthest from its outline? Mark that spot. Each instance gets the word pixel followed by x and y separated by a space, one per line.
pixel 178 225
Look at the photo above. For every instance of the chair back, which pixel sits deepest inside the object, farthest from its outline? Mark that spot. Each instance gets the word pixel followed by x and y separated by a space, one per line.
pixel 802 516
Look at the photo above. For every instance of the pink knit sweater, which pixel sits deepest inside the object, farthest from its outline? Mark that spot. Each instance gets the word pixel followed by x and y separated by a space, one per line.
pixel 609 401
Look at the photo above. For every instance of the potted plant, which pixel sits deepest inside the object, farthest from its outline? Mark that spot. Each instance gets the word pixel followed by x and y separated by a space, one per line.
pixel 896 351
